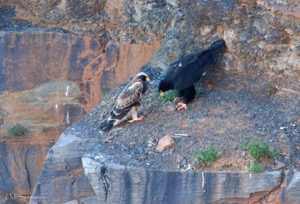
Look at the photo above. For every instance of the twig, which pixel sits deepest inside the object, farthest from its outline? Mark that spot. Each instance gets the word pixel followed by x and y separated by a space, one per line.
pixel 181 135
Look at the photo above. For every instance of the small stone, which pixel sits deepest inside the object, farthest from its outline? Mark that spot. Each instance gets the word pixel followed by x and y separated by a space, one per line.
pixel 151 154
pixel 150 143
pixel 294 118
pixel 142 158
pixel 280 165
pixel 165 142
pixel 171 151
pixel 183 162
pixel 261 133
pixel 185 138
pixel 179 158
pixel 141 150
pixel 125 148
pixel 287 159
pixel 109 139
pixel 169 107
pixel 274 140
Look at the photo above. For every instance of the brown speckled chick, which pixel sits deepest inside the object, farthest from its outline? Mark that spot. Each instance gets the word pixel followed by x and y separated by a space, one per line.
pixel 128 102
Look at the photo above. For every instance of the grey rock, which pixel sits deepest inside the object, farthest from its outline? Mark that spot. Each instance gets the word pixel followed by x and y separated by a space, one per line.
pixel 169 107
pixel 140 150
pixel 179 158
pixel 261 133
pixel 279 165
pixel 142 158
pixel 293 189
pixel 132 182
pixel 184 162
pixel 287 159
pixel 259 34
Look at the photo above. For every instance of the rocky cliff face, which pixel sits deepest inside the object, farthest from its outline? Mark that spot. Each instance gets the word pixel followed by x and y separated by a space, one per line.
pixel 261 36
pixel 50 79
pixel 59 58
pixel 121 167
pixel 61 75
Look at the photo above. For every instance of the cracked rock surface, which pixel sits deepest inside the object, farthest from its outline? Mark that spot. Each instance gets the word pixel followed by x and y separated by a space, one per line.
pixel 123 164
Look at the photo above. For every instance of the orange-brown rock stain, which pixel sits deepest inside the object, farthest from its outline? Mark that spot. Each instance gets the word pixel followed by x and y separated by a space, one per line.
pixel 121 64
pixel 53 79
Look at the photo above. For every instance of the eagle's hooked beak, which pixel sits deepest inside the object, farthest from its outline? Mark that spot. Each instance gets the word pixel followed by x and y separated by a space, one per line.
pixel 147 78
pixel 162 93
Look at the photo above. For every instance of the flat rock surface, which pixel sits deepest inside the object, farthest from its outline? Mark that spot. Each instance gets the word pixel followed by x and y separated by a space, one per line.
pixel 223 117
pixel 114 183
pixel 252 92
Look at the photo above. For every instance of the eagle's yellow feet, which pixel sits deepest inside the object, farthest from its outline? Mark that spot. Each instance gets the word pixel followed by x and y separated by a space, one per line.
pixel 136 119
pixel 181 106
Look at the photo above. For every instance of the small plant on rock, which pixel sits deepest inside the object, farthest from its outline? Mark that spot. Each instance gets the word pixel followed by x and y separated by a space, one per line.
pixel 257 150
pixel 206 156
pixel 256 167
pixel 169 96
pixel 17 130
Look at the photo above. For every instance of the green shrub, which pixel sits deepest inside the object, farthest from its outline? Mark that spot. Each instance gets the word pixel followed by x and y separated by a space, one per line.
pixel 169 96
pixel 274 154
pixel 17 130
pixel 256 167
pixel 257 150
pixel 206 156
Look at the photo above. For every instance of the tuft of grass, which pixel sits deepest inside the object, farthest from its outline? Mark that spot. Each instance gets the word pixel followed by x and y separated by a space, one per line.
pixel 258 150
pixel 206 156
pixel 256 167
pixel 17 130
pixel 274 154
pixel 169 96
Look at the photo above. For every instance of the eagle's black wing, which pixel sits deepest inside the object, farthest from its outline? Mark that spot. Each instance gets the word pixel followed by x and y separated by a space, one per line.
pixel 190 72
pixel 176 67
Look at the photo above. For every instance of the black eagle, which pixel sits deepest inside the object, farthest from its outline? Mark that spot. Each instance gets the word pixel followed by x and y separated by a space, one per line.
pixel 128 102
pixel 184 73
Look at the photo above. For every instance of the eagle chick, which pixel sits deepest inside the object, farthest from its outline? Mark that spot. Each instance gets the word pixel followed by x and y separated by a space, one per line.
pixel 128 102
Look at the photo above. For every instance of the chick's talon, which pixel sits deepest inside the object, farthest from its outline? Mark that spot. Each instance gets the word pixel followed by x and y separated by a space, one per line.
pixel 136 119
pixel 181 106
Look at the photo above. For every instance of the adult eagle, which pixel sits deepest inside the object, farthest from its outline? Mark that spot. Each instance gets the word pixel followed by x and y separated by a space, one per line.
pixel 184 73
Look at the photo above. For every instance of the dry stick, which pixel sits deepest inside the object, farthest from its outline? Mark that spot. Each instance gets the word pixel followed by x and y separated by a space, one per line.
pixel 178 135
pixel 181 135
